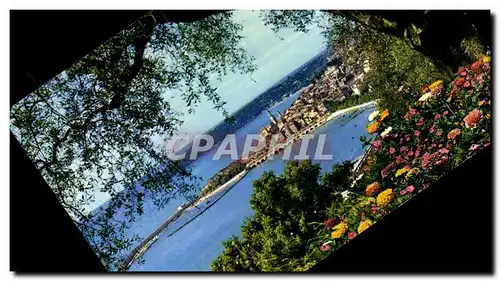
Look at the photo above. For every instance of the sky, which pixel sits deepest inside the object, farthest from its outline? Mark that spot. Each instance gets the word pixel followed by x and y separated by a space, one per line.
pixel 276 55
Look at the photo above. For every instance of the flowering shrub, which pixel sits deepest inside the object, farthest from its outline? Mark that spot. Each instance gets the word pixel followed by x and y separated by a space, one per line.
pixel 441 128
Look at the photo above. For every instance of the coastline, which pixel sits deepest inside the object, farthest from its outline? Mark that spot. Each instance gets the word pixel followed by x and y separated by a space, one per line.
pixel 230 183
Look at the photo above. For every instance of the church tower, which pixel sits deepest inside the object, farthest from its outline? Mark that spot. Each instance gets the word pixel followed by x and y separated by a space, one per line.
pixel 272 118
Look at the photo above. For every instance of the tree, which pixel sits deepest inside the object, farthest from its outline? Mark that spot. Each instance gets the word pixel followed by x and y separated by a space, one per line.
pixel 92 127
pixel 289 212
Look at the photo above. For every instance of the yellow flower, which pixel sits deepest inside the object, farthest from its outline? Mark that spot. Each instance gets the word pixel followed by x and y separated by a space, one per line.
pixel 488 116
pixel 387 131
pixel 385 197
pixel 425 96
pixel 383 115
pixel 373 115
pixel 373 127
pixel 402 171
pixel 486 59
pixel 435 84
pixel 481 102
pixel 364 225
pixel 339 230
pixel 411 172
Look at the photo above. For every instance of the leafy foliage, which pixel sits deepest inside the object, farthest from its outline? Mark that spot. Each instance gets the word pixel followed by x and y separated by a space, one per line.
pixel 92 128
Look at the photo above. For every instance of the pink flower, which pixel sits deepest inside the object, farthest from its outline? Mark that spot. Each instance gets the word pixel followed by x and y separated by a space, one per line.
pixel 417 133
pixel 437 116
pixel 392 150
pixel 325 246
pixel 434 145
pixel 376 143
pixel 439 133
pixel 400 140
pixel 412 111
pixel 410 153
pixel 445 113
pixel 417 153
pixel 474 147
pixel 402 149
pixel 410 188
pixel 407 138
pixel 351 235
pixel 467 84
pixel 375 209
pixel 420 122
pixel 399 159
pixel 432 129
pixel 406 117
pixel 403 192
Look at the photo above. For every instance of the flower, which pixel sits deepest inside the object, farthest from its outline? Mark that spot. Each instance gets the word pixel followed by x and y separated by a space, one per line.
pixel 474 147
pixel 437 116
pixel 386 131
pixel 351 235
pixel 453 133
pixel 372 189
pixel 399 159
pixel 339 230
pixel 412 111
pixel 407 190
pixel 467 85
pixel 373 127
pixel 417 133
pixel 411 172
pixel 392 150
pixel 329 223
pixel 410 153
pixel 364 225
pixel 376 143
pixel 402 171
pixel 476 66
pixel 325 246
pixel 384 198
pixel 481 102
pixel 375 209
pixel 383 115
pixel 460 81
pixel 473 118
pixel 446 113
pixel 485 59
pixel 488 116
pixel 439 132
pixel 436 84
pixel 425 97
pixel 420 122
pixel 373 115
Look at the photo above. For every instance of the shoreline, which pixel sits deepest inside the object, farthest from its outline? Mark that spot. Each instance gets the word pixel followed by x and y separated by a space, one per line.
pixel 230 183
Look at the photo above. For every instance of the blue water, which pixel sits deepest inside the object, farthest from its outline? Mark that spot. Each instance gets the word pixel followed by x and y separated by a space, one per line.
pixel 196 245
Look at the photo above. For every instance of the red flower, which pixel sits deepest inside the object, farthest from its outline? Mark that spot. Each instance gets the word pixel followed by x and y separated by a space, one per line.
pixel 460 81
pixel 462 70
pixel 476 66
pixel 329 223
pixel 351 235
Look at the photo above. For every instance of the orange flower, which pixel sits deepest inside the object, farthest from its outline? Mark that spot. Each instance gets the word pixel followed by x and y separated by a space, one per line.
pixel 476 66
pixel 460 81
pixel 372 189
pixel 425 89
pixel 473 118
pixel 383 115
pixel 373 127
pixel 453 133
